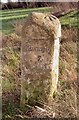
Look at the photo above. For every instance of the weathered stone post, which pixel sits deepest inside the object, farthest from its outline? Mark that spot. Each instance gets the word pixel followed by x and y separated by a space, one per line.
pixel 40 56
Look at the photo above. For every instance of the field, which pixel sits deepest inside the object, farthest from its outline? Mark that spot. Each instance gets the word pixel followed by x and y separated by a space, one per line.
pixel 65 102
pixel 9 17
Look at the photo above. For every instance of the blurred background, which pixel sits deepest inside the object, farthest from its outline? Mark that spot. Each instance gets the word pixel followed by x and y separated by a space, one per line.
pixel 13 14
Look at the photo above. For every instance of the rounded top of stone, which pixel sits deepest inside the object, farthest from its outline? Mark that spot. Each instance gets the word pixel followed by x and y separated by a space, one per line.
pixel 49 23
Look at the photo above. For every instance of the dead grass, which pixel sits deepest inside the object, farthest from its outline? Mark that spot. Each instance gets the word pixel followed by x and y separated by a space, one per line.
pixel 65 102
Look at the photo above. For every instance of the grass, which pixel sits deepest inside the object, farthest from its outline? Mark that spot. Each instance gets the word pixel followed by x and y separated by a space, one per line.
pixel 70 19
pixel 43 9
pixel 11 63
pixel 8 17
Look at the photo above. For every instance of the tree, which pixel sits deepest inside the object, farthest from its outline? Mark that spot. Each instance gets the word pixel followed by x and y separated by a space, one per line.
pixel 9 1
pixel 19 3
pixel 9 4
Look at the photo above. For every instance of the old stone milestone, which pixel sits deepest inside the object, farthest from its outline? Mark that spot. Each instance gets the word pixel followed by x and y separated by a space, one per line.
pixel 38 35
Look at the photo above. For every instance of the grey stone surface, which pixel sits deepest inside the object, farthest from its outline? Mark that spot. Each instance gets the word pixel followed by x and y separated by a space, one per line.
pixel 38 34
